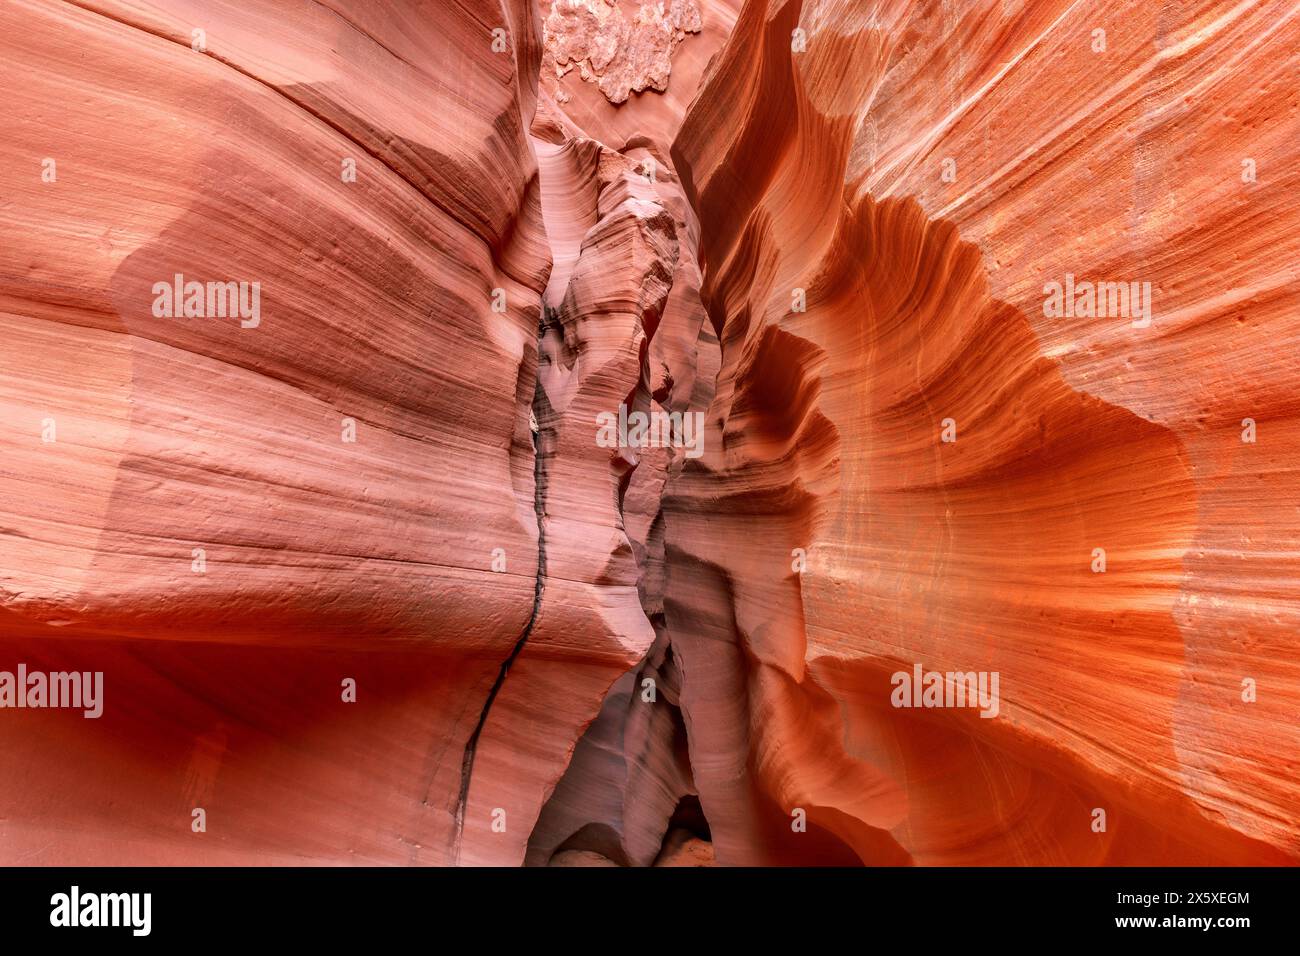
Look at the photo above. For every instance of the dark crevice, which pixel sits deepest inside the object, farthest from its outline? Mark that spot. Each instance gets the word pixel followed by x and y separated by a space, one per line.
pixel 689 816
pixel 539 408
pixel 596 838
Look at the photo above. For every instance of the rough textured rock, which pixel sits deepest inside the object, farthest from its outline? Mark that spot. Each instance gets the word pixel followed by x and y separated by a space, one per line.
pixel 589 627
pixel 620 55
pixel 827 227
pixel 655 115
pixel 630 770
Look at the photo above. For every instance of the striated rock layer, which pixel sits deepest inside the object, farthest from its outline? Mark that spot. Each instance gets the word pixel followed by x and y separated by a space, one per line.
pixel 921 173
pixel 231 520
pixel 366 585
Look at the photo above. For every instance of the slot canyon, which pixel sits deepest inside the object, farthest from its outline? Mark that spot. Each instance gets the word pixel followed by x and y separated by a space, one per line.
pixel 364 587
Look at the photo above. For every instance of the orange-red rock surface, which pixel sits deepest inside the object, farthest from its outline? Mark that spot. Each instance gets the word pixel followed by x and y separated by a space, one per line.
pixel 1122 691
pixel 824 227
pixel 324 559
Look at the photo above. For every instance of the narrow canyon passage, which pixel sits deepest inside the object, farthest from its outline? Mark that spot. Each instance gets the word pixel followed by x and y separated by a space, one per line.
pixel 832 534
pixel 976 325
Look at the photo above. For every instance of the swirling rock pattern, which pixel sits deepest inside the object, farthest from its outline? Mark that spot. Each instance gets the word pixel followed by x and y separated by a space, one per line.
pixel 830 229
pixel 922 172
pixel 202 528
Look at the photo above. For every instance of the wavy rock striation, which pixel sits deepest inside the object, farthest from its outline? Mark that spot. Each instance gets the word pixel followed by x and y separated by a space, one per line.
pixel 919 174
pixel 366 585
pixel 232 521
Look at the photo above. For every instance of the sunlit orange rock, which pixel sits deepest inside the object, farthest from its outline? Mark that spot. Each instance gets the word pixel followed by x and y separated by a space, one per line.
pixel 366 585
pixel 885 194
